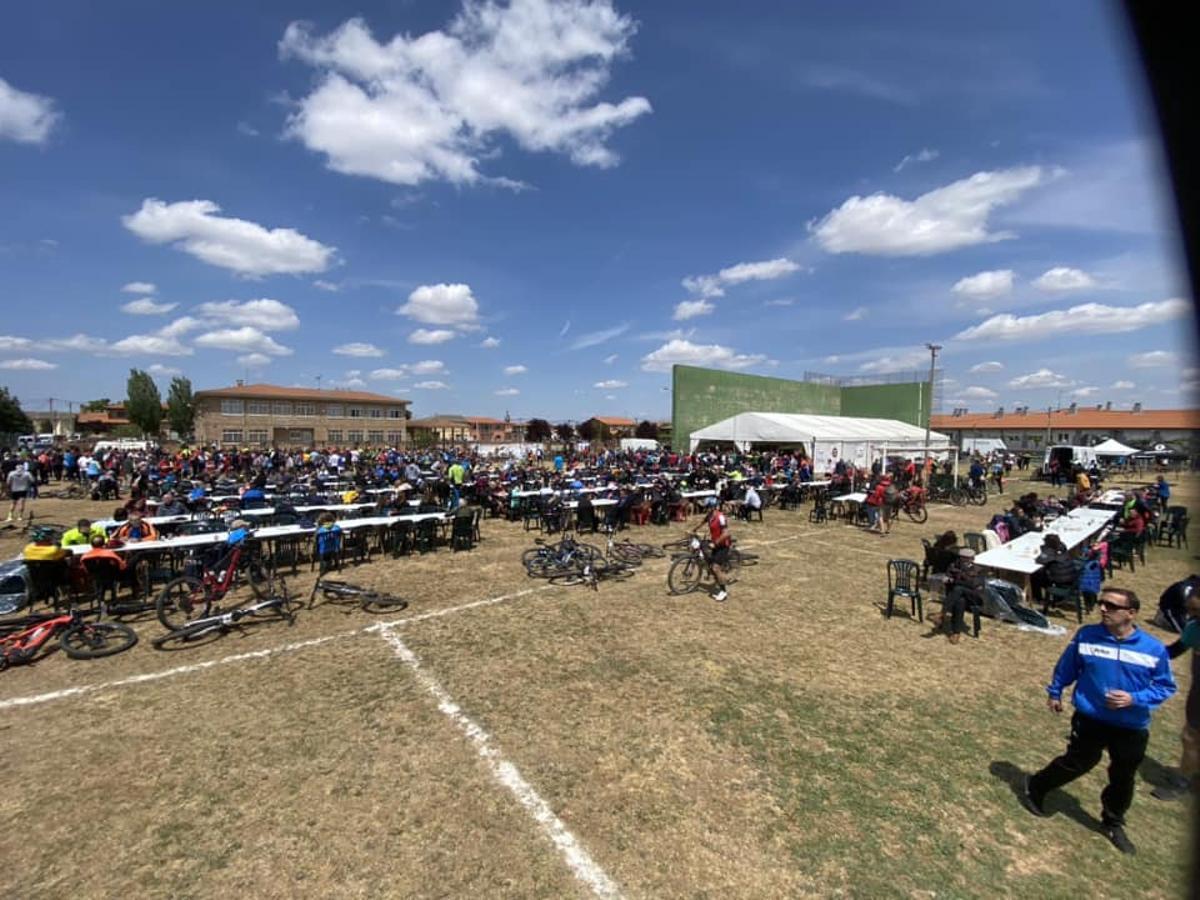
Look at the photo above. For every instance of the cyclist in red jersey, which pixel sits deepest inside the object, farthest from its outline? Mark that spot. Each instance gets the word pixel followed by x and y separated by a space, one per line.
pixel 722 540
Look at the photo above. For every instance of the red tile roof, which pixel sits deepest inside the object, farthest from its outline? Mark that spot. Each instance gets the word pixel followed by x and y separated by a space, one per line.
pixel 1064 420
pixel 613 420
pixel 277 392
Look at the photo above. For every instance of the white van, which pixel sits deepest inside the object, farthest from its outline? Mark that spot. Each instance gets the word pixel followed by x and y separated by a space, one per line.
pixel 1068 457
pixel 123 444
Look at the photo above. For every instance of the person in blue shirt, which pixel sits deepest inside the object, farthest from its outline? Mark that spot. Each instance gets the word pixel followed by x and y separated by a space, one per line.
pixel 1120 675
pixel 1162 491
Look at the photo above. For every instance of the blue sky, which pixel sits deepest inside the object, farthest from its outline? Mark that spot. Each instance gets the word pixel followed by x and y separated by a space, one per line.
pixel 538 207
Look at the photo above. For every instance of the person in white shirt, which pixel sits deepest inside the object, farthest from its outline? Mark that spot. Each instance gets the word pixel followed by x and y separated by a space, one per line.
pixel 19 483
pixel 751 502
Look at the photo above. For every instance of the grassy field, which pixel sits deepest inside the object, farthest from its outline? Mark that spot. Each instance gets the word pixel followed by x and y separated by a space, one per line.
pixel 789 742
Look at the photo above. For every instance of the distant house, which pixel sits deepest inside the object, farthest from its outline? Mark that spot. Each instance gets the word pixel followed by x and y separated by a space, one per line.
pixel 1025 428
pixel 617 427
pixel 101 422
pixel 457 429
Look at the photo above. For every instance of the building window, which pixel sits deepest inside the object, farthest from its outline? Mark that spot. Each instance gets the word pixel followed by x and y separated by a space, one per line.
pixel 257 436
pixel 282 407
pixel 356 412
pixel 393 438
pixel 258 407
pixel 376 412
pixel 374 437
pixel 305 409
pixel 334 436
pixel 334 410
pixel 231 436
pixel 1064 436
pixel 396 412
pixel 231 407
pixel 354 437
pixel 300 435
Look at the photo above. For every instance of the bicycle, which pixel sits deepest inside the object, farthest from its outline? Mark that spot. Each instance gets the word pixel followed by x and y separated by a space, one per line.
pixel 565 557
pixel 975 495
pixel 628 552
pixel 78 638
pixel 367 599
pixel 188 597
pixel 692 569
pixel 277 603
pixel 592 571
pixel 912 503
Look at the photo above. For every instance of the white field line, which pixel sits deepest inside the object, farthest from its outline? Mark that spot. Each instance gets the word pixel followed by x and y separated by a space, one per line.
pixel 577 858
pixel 63 694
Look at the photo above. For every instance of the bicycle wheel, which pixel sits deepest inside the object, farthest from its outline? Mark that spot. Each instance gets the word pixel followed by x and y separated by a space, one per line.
pixel 918 514
pixel 979 498
pixel 684 575
pixel 649 551
pixel 380 603
pixel 626 553
pixel 958 497
pixel 336 590
pixel 91 640
pixel 183 600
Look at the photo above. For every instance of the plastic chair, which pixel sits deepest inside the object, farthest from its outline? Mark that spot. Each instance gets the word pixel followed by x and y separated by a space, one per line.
pixel 462 533
pixel 820 511
pixel 45 579
pixel 399 538
pixel 105 576
pixel 976 541
pixel 904 581
pixel 1121 550
pixel 1069 595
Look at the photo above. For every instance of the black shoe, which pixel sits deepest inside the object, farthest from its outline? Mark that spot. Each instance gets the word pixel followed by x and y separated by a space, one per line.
pixel 1116 835
pixel 1028 801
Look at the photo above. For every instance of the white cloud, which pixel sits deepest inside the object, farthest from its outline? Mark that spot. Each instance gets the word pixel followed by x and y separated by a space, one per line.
pixel 1123 385
pixel 1061 278
pixel 978 393
pixel 1088 318
pixel 895 362
pixel 1153 359
pixel 1083 392
pixel 163 371
pixel 25 118
pixel 944 219
pixel 431 336
pixel 389 374
pixel 992 366
pixel 246 339
pixel 424 108
pixel 265 315
pixel 1042 378
pixel 610 359
pixel 689 309
pixel 714 285
pixel 145 306
pixel 684 352
pixel 235 244
pixel 328 286
pixel 427 367
pixel 610 384
pixel 139 287
pixel 83 343
pixel 921 156
pixel 29 365
pixel 254 360
pixel 489 343
pixel 9 342
pixel 855 315
pixel 148 345
pixel 595 338
pixel 507 392
pixel 442 304
pixel 515 370
pixel 431 385
pixel 986 284
pixel 357 349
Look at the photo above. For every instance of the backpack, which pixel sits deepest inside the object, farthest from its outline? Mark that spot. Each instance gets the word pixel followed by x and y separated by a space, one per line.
pixel 1172 612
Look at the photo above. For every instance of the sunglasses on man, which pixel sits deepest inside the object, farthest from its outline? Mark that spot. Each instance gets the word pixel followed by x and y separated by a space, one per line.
pixel 1108 606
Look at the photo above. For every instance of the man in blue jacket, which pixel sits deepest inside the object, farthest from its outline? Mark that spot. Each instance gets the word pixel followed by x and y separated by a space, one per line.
pixel 1120 674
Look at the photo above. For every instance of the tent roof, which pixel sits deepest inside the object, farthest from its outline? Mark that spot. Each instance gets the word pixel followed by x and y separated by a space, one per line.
pixel 982 445
pixel 1114 448
pixel 792 428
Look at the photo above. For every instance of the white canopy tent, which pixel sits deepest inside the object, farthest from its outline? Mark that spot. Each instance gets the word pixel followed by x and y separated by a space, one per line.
pixel 982 446
pixel 826 438
pixel 1114 448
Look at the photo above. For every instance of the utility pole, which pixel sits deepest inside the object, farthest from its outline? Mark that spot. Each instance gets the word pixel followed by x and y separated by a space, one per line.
pixel 933 352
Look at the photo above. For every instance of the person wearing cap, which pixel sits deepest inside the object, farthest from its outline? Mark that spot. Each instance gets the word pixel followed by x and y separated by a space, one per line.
pixel 965 587
pixel 722 541
pixel 82 533
pixel 136 529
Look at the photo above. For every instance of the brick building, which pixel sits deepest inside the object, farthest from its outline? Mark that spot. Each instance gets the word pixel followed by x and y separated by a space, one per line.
pixel 1033 429
pixel 264 415
pixel 455 429
pixel 617 427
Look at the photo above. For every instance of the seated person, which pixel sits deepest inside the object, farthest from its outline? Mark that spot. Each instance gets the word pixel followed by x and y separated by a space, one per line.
pixel 1057 568
pixel 750 503
pixel 82 533
pixel 328 539
pixel 137 504
pixel 100 551
pixel 585 514
pixel 964 590
pixel 171 506
pixel 44 548
pixel 136 529
pixel 106 487
pixel 943 553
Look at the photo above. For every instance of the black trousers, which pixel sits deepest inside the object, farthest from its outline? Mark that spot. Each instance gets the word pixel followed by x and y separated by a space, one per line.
pixel 1089 739
pixel 957 602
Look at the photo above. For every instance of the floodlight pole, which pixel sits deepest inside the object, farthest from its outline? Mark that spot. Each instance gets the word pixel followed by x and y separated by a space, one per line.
pixel 933 352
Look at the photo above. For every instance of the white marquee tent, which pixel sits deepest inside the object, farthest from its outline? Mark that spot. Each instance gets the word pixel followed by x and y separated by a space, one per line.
pixel 1114 448
pixel 982 446
pixel 827 438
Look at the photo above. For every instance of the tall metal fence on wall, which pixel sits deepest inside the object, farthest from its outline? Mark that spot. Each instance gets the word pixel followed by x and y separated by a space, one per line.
pixel 911 376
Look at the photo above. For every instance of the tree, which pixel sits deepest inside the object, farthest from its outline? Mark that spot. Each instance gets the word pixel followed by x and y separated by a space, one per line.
pixel 565 432
pixel 181 406
pixel 596 431
pixel 646 430
pixel 537 431
pixel 44 426
pixel 143 404
pixel 96 405
pixel 12 419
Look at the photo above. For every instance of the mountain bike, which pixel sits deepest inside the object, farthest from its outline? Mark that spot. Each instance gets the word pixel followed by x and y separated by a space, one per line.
pixel 592 571
pixel 191 597
pixel 976 496
pixel 912 504
pixel 689 571
pixel 564 558
pixel 365 598
pixel 78 637
pixel 628 552
pixel 278 605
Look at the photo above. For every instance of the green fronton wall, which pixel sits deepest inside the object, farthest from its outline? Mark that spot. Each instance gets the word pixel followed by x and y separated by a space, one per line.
pixel 700 397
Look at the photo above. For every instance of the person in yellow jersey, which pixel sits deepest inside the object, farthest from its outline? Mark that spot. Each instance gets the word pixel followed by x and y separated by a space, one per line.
pixel 82 533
